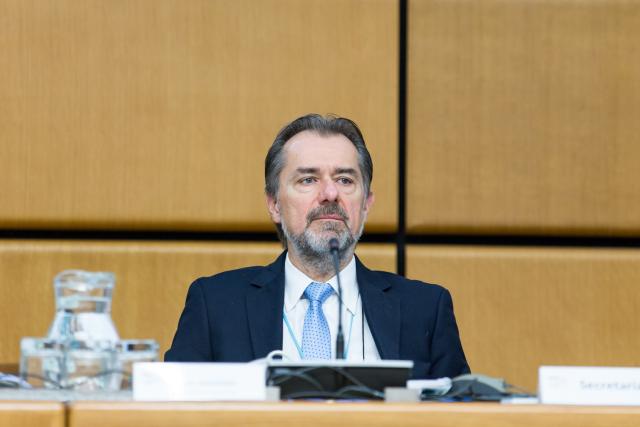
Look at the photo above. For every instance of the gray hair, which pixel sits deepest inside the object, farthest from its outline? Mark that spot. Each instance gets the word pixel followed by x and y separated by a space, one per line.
pixel 325 126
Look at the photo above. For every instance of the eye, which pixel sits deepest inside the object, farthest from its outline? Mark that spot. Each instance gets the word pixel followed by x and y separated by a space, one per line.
pixel 307 180
pixel 345 180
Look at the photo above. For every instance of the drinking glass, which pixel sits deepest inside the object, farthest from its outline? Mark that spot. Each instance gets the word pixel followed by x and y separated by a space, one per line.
pixel 42 362
pixel 90 365
pixel 133 351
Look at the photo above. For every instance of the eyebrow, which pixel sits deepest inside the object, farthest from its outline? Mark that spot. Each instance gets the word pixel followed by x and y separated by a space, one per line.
pixel 307 170
pixel 349 171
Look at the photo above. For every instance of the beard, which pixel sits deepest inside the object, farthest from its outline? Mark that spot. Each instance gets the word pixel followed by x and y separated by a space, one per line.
pixel 313 245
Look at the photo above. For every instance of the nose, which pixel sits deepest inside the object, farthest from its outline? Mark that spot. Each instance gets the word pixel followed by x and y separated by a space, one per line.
pixel 328 192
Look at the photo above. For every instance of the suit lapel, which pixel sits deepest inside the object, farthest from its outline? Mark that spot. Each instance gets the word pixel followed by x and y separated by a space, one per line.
pixel 265 302
pixel 381 310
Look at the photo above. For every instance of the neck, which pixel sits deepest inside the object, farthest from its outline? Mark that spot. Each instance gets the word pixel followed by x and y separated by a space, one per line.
pixel 320 269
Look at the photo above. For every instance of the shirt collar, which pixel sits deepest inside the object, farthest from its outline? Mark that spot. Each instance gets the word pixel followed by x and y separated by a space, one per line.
pixel 296 282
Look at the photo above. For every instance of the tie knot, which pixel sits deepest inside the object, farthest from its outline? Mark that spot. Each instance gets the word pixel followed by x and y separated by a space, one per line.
pixel 318 292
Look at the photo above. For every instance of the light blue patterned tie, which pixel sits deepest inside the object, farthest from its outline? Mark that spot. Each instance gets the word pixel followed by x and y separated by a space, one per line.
pixel 316 338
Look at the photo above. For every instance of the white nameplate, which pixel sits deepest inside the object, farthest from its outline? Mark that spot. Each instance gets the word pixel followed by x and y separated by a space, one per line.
pixel 577 385
pixel 157 381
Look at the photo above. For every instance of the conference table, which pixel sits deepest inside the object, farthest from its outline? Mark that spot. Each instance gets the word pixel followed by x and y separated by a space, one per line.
pixel 308 414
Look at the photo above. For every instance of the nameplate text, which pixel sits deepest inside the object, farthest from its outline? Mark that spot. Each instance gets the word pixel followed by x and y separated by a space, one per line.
pixel 156 381
pixel 583 385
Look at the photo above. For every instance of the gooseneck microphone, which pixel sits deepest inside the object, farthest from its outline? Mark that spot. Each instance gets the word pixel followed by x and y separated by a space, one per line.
pixel 334 248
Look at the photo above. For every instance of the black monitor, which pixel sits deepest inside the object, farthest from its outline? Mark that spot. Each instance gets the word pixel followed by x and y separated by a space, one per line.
pixel 337 379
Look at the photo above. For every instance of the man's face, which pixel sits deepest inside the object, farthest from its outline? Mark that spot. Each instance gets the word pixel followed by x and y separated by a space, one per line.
pixel 321 192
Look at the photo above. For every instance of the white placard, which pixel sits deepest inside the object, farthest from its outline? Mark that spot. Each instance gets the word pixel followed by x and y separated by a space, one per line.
pixel 157 381
pixel 436 387
pixel 583 385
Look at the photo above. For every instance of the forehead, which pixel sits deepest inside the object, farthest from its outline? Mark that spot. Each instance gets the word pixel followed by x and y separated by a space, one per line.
pixel 309 149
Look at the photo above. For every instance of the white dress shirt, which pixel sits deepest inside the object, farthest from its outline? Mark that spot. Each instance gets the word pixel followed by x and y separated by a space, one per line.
pixel 353 322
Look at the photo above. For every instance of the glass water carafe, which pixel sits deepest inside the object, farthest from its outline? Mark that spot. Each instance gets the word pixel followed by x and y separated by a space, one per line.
pixel 83 307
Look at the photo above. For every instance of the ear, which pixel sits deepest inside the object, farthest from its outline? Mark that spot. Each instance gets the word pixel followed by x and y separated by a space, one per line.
pixel 274 209
pixel 369 202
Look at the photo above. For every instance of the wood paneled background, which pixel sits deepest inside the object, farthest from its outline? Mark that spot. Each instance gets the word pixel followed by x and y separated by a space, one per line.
pixel 522 117
pixel 152 279
pixel 143 116
pixel 520 308
pixel 156 114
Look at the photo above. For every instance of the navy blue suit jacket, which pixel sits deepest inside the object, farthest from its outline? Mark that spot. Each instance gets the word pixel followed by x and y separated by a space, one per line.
pixel 236 316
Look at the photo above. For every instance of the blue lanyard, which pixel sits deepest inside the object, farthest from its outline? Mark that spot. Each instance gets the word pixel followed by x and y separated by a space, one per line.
pixel 297 344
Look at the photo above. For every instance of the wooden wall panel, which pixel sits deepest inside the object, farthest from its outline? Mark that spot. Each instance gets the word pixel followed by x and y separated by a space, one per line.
pixel 158 113
pixel 152 279
pixel 522 117
pixel 325 414
pixel 519 308
pixel 32 414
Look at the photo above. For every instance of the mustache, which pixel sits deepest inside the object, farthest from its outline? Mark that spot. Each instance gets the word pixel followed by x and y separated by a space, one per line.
pixel 324 210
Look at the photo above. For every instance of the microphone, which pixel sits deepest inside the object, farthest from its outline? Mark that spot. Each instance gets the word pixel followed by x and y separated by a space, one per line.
pixel 334 248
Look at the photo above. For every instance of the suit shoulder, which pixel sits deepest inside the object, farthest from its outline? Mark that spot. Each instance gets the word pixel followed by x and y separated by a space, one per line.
pixel 410 285
pixel 236 273
pixel 229 278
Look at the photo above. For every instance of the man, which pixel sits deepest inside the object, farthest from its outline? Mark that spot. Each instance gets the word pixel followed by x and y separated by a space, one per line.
pixel 318 174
